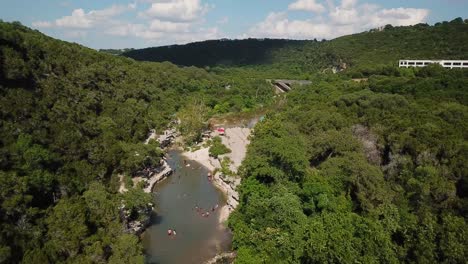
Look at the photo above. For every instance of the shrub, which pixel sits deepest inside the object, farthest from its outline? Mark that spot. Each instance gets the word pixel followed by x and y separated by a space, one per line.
pixel 218 148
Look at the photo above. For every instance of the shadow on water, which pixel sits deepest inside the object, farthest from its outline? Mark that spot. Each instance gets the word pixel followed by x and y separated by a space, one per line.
pixel 198 238
pixel 155 218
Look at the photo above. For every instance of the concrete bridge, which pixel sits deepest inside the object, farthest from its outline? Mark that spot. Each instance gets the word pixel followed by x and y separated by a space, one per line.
pixel 283 86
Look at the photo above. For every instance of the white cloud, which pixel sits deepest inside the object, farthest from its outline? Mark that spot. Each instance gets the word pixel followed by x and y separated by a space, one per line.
pixel 168 26
pixel 79 19
pixel 347 18
pixel 198 35
pixel 277 25
pixel 307 5
pixel 176 10
pixel 181 21
pixel 163 22
pixel 347 4
pixel 398 17
pixel 123 30
pixel 163 32
pixel 344 16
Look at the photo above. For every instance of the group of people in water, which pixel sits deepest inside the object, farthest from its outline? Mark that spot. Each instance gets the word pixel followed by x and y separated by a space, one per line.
pixel 206 213
pixel 172 232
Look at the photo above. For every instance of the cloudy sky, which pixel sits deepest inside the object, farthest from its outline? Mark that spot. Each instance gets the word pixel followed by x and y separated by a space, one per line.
pixel 143 23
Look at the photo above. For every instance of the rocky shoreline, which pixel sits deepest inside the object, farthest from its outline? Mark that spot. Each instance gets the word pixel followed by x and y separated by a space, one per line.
pixel 227 257
pixel 151 178
pixel 228 187
pixel 158 177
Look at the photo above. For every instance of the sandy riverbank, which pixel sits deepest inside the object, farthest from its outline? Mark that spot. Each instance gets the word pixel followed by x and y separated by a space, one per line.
pixel 236 139
pixel 202 156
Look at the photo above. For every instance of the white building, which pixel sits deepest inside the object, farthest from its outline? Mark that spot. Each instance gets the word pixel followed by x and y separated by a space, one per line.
pixel 444 63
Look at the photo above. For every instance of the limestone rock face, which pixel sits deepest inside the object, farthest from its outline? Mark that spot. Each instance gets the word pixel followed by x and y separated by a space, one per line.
pixel 136 223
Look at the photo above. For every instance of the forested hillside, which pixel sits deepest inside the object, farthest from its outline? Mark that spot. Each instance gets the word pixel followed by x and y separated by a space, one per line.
pixel 371 172
pixel 216 52
pixel 71 119
pixel 362 52
pixel 337 172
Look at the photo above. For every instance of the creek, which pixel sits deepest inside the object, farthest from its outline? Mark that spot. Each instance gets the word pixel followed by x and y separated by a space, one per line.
pixel 198 238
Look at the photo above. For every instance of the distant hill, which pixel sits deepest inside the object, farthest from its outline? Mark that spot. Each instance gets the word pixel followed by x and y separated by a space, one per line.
pixel 216 52
pixel 373 48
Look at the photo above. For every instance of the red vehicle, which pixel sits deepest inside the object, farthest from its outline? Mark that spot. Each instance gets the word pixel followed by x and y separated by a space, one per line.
pixel 221 131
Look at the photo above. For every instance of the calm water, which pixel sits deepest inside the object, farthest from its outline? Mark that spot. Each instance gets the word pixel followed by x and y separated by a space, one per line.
pixel 198 238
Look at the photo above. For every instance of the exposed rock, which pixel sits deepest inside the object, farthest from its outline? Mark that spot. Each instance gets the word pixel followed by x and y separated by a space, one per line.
pixel 223 258
pixel 164 172
pixel 369 142
pixel 136 225
pixel 228 186
pixel 165 139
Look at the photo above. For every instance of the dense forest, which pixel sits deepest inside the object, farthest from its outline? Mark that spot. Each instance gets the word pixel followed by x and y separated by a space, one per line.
pixel 73 118
pixel 371 172
pixel 365 51
pixel 216 52
pixel 338 171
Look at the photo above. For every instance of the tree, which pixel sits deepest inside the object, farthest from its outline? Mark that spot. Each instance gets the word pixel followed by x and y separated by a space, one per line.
pixel 66 229
pixel 102 205
pixel 192 120
pixel 126 249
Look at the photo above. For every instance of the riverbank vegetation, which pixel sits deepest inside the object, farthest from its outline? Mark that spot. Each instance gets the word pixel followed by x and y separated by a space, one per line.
pixel 71 120
pixel 371 172
pixel 218 148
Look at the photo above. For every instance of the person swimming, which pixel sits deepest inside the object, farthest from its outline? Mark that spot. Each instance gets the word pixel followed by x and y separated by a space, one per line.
pixel 169 232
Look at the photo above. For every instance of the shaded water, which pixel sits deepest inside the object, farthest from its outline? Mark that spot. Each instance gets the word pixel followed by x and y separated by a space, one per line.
pixel 198 238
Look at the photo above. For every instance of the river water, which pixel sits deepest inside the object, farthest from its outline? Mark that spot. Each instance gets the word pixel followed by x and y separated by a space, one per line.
pixel 198 238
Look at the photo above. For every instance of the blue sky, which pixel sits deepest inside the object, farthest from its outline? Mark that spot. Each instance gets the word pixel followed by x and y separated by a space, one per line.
pixel 143 23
